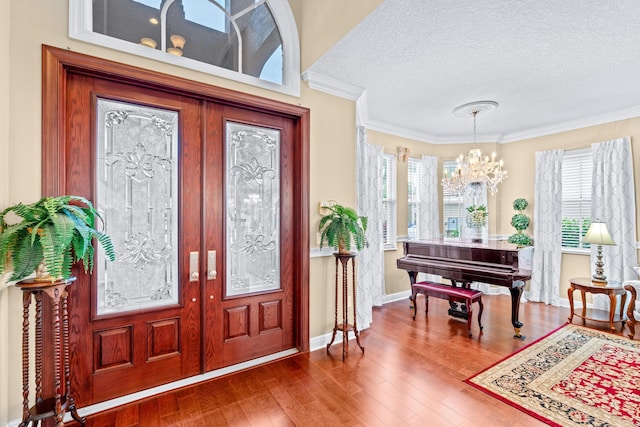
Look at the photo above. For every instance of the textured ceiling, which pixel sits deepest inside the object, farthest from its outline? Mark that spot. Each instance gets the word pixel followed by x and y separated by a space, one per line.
pixel 551 65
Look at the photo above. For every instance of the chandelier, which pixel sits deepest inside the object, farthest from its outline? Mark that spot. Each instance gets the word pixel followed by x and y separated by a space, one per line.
pixel 474 169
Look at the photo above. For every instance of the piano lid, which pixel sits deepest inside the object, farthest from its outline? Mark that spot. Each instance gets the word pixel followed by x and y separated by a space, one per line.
pixel 494 252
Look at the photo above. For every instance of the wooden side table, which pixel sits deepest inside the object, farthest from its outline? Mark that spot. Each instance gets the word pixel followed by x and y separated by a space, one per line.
pixel 584 285
pixel 54 406
pixel 345 326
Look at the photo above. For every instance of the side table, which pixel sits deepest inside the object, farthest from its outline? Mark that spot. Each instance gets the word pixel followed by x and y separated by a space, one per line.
pixel 345 326
pixel 585 285
pixel 54 406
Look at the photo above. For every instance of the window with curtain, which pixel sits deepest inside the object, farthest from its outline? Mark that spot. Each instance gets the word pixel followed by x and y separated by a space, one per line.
pixel 453 206
pixel 414 178
pixel 576 198
pixel 389 200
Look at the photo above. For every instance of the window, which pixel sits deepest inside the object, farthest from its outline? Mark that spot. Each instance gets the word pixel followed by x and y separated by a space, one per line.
pixel 453 205
pixel 576 198
pixel 414 179
pixel 252 41
pixel 389 201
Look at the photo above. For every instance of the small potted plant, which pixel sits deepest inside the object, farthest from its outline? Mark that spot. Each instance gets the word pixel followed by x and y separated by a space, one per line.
pixel 53 234
pixel 520 222
pixel 341 228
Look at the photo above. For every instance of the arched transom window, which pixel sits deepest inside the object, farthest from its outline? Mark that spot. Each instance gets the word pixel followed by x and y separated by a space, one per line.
pixel 253 41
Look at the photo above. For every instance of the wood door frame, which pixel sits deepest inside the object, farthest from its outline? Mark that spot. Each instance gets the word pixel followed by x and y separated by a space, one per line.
pixel 58 63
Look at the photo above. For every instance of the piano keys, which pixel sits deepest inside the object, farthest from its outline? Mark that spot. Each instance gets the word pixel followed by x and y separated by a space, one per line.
pixel 495 262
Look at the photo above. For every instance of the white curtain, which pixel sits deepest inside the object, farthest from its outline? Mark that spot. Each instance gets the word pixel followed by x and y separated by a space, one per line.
pixel 547 236
pixel 429 202
pixel 370 273
pixel 613 202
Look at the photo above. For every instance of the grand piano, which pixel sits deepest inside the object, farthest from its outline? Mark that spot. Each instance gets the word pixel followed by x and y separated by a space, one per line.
pixel 494 262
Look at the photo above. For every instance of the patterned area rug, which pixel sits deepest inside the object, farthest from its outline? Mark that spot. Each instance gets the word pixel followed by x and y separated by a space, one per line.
pixel 574 376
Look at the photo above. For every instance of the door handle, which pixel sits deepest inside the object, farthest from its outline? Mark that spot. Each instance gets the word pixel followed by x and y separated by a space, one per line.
pixel 211 265
pixel 194 267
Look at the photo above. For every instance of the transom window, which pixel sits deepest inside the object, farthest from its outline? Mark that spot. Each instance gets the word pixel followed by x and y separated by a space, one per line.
pixel 254 41
pixel 577 169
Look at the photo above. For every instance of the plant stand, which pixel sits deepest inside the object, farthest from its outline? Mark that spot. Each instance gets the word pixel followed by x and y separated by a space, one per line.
pixel 345 327
pixel 63 401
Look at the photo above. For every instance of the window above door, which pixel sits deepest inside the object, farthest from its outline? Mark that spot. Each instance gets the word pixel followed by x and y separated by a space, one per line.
pixel 251 41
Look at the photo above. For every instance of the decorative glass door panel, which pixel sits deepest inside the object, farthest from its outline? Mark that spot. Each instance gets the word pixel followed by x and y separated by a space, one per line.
pixel 137 184
pixel 252 209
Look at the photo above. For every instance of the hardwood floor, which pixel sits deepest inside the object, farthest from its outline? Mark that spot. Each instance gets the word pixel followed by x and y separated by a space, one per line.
pixel 410 375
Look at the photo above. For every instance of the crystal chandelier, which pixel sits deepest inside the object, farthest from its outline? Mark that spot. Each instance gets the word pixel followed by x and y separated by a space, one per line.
pixel 474 169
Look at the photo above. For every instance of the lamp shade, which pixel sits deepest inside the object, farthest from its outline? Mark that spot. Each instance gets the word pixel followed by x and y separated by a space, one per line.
pixel 598 234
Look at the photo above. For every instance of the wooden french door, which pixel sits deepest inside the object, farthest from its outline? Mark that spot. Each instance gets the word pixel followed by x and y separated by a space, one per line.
pixel 250 312
pixel 202 198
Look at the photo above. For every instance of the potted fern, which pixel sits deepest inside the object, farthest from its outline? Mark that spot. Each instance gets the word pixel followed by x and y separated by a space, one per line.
pixel 341 228
pixel 51 235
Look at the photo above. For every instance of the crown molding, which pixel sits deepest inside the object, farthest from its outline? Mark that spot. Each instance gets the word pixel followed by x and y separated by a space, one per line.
pixel 336 87
pixel 598 119
pixel 391 129
pixel 332 86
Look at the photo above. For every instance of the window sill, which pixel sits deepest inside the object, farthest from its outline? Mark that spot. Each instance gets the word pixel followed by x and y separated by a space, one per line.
pixel 576 251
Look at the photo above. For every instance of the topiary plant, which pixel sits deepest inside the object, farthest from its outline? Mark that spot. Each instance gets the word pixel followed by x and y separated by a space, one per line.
pixel 520 222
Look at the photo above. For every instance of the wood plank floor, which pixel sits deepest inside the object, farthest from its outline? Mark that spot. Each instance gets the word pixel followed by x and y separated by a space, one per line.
pixel 411 374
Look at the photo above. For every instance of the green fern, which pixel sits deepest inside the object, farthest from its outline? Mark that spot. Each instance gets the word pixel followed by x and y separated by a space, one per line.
pixel 342 226
pixel 56 230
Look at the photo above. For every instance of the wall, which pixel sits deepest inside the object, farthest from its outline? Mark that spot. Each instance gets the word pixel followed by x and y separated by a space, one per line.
pixel 5 25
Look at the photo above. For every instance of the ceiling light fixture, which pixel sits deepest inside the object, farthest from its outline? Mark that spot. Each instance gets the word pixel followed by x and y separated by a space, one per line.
pixel 474 169
pixel 178 44
pixel 146 41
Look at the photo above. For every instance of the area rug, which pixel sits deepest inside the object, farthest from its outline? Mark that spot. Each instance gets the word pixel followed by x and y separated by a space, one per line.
pixel 574 376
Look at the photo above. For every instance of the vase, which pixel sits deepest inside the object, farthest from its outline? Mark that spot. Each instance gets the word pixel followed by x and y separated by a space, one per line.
pixel 476 234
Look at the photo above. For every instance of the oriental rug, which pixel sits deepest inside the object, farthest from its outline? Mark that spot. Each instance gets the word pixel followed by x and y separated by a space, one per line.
pixel 574 376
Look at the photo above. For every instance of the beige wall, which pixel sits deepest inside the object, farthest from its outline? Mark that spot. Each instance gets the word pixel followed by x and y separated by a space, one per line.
pixel 5 21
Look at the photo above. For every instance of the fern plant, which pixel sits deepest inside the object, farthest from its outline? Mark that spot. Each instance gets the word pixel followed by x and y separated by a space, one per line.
pixel 341 228
pixel 57 231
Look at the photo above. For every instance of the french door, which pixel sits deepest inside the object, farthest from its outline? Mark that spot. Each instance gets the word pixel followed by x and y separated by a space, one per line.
pixel 202 198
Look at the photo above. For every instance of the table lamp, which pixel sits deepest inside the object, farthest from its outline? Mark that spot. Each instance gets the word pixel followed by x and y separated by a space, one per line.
pixel 598 235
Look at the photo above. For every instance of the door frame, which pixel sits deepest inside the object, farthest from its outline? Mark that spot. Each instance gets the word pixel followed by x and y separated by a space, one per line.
pixel 58 63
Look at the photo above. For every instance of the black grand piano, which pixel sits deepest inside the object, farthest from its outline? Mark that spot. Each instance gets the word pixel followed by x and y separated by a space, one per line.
pixel 494 262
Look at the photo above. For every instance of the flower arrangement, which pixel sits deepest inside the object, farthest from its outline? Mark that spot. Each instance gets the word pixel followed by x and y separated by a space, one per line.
pixel 477 216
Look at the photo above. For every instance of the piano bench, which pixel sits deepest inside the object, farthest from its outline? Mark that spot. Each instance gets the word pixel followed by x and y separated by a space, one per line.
pixel 451 293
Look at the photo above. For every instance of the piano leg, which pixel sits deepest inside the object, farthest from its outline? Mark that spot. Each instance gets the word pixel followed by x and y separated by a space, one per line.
pixel 516 293
pixel 412 278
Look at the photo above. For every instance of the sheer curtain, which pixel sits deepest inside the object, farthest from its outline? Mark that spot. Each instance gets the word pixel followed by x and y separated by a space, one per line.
pixel 613 202
pixel 429 201
pixel 370 273
pixel 547 236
